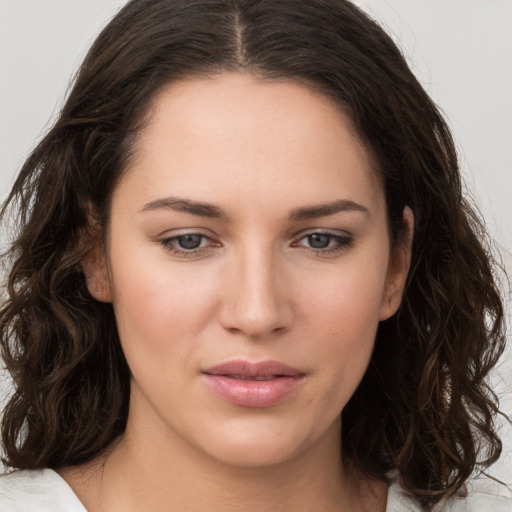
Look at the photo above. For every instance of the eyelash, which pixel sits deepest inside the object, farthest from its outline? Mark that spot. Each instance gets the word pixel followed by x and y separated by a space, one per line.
pixel 170 245
pixel 342 242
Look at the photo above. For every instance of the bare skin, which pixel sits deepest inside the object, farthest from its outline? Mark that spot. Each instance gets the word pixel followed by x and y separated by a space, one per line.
pixel 250 226
pixel 118 481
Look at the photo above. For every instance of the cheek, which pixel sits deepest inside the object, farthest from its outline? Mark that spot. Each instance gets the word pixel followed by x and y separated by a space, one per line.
pixel 160 309
pixel 343 311
pixel 349 297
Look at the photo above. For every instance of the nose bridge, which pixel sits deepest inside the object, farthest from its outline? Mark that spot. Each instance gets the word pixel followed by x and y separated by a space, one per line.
pixel 254 302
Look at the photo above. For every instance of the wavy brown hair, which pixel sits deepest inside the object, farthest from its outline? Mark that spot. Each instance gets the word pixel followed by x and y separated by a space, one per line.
pixel 423 409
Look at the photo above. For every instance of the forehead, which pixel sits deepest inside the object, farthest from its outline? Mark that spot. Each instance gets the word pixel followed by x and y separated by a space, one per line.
pixel 234 133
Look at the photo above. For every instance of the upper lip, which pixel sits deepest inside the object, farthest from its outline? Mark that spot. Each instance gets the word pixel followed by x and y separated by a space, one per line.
pixel 250 369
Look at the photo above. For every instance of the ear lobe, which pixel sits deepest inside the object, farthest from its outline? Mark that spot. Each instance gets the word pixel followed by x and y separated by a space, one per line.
pixel 95 270
pixel 398 268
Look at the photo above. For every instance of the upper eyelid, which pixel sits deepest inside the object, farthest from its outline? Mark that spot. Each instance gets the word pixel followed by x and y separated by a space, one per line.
pixel 296 236
pixel 180 235
pixel 206 233
pixel 330 232
pixel 172 235
pixel 197 230
pixel 334 232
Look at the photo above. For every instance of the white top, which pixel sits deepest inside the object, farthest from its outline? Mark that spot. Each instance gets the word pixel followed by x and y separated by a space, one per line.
pixel 37 491
pixel 45 491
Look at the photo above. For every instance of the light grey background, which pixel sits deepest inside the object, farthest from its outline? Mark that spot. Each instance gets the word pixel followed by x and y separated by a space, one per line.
pixel 461 50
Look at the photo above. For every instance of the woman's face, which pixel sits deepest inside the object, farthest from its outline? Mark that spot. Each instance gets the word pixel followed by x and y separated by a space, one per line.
pixel 249 264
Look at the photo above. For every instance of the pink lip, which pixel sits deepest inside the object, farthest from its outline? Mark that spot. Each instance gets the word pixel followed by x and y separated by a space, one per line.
pixel 237 382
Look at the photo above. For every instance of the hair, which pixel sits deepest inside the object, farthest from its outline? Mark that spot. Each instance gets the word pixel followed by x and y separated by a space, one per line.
pixel 423 410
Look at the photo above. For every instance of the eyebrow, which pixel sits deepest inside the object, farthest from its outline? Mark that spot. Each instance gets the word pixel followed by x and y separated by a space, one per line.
pixel 323 210
pixel 186 206
pixel 209 210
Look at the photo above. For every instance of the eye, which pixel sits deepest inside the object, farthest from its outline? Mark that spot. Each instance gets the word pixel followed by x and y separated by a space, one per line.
pixel 319 240
pixel 188 244
pixel 324 243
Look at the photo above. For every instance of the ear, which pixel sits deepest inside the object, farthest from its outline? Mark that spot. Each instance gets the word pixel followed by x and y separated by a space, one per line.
pixel 94 261
pixel 96 274
pixel 398 268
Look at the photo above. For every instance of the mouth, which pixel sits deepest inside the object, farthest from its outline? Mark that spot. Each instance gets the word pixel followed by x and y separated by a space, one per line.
pixel 261 378
pixel 255 385
pixel 245 370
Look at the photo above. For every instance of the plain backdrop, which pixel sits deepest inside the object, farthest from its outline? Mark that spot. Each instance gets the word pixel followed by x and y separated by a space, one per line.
pixel 461 50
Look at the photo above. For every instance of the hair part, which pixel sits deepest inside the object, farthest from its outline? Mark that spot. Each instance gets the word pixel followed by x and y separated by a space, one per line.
pixel 426 386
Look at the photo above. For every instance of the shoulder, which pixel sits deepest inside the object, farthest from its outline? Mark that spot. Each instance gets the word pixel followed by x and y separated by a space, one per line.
pixel 400 501
pixel 37 491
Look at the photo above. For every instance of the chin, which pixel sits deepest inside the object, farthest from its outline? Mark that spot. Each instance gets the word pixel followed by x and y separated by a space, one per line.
pixel 254 455
pixel 258 445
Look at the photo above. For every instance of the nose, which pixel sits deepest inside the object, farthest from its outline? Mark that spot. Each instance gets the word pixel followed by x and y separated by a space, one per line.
pixel 256 299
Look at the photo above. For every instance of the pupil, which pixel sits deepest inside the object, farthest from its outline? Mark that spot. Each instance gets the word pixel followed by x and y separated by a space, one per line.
pixel 319 241
pixel 190 241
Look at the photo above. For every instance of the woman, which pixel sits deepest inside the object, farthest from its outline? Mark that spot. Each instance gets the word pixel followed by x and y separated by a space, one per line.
pixel 245 277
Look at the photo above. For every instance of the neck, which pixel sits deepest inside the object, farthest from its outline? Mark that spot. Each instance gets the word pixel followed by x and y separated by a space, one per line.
pixel 151 468
pixel 182 479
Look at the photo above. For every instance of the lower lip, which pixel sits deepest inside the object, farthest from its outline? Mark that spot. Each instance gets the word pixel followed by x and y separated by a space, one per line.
pixel 252 393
